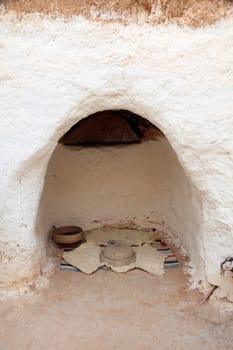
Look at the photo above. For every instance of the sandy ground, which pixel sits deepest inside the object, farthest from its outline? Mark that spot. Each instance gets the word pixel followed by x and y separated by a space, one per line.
pixel 107 310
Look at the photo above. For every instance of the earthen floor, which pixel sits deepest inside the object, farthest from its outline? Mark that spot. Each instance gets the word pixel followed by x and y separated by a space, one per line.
pixel 107 310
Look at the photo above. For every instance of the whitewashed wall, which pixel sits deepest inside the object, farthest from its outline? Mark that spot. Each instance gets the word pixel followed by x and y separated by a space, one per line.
pixel 141 184
pixel 53 73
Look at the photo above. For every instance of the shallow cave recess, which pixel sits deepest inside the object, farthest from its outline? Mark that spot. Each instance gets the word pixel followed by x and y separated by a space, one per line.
pixel 110 128
pixel 131 189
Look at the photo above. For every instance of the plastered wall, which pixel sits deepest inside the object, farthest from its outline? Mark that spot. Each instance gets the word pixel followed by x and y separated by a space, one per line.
pixel 141 184
pixel 56 72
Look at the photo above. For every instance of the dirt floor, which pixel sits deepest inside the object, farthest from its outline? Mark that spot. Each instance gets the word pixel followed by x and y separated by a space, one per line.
pixel 107 310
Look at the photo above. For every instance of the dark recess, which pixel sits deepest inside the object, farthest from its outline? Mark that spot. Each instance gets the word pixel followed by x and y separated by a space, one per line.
pixel 110 128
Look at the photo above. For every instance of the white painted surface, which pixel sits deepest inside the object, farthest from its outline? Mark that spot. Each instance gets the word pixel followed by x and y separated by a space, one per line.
pixel 142 184
pixel 53 73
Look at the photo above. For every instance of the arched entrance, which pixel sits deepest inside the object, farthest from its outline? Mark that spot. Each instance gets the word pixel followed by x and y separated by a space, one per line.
pixel 116 168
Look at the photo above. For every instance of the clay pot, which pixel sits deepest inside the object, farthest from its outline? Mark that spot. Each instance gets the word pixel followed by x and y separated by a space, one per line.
pixel 67 234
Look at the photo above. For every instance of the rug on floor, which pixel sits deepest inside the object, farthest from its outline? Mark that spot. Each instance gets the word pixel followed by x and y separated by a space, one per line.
pixel 169 261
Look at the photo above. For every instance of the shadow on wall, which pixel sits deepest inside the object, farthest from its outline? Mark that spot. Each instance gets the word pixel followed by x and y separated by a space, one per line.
pixel 106 171
pixel 113 127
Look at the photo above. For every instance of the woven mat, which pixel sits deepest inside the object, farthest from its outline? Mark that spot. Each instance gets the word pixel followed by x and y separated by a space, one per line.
pixel 170 259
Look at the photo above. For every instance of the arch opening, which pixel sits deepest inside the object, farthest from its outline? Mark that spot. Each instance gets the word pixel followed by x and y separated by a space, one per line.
pixel 114 168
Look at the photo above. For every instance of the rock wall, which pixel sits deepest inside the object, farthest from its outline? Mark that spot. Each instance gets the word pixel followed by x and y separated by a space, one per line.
pixel 196 13
pixel 56 72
